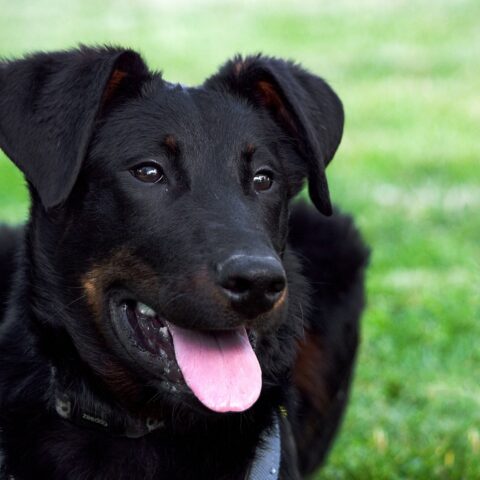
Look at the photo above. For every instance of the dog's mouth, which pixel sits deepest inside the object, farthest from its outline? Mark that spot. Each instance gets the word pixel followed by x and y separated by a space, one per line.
pixel 220 367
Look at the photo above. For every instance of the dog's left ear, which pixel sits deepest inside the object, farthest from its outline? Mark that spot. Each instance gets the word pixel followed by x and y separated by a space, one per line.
pixel 306 108
pixel 49 103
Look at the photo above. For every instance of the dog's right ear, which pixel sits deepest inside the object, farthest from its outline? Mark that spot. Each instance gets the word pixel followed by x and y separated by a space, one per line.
pixel 49 103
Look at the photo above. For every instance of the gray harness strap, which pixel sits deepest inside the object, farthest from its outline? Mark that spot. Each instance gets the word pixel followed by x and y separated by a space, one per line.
pixel 266 464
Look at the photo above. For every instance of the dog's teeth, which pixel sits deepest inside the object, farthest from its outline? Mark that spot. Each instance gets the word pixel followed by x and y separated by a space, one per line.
pixel 145 310
pixel 163 332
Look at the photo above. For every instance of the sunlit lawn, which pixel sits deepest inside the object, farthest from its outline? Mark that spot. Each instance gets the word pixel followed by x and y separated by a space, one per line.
pixel 408 169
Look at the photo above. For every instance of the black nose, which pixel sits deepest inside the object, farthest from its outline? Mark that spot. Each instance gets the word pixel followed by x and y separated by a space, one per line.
pixel 253 284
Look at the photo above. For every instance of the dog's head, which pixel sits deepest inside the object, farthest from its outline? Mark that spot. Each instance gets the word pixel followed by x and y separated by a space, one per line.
pixel 160 213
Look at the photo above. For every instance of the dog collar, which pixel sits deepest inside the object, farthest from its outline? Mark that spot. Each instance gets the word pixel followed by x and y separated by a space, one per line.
pixel 98 416
pixel 100 420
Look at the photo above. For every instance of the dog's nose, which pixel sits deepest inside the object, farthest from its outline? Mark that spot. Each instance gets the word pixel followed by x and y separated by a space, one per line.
pixel 253 284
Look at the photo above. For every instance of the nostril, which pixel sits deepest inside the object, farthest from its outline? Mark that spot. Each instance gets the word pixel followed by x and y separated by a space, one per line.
pixel 237 285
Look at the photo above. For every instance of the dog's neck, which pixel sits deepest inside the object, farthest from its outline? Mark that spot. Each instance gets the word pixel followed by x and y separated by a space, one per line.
pixel 265 464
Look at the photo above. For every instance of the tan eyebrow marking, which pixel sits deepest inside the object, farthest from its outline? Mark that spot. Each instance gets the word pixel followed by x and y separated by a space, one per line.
pixel 170 143
pixel 249 151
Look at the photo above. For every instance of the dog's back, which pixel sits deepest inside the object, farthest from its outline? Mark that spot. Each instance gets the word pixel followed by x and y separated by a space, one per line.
pixel 10 239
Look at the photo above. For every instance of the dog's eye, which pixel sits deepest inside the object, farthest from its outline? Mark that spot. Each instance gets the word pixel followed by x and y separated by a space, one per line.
pixel 262 181
pixel 147 172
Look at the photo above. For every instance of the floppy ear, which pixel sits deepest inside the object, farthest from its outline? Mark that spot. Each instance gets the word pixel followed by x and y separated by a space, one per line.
pixel 301 103
pixel 48 106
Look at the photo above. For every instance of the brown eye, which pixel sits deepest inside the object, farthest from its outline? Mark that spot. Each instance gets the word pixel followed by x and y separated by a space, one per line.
pixel 148 172
pixel 262 181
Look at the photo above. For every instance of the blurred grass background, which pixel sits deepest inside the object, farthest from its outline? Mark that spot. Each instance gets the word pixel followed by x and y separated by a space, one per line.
pixel 408 169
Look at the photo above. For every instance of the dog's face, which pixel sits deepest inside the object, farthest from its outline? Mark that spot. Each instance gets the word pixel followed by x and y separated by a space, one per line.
pixel 164 216
pixel 187 209
pixel 194 193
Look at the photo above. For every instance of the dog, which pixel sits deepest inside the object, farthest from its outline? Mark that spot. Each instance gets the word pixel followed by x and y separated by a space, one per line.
pixel 168 311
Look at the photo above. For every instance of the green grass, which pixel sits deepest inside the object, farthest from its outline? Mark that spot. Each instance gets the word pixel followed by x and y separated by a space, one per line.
pixel 408 169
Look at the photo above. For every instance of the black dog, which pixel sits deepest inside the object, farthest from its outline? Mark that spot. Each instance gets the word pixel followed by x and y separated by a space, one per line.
pixel 156 322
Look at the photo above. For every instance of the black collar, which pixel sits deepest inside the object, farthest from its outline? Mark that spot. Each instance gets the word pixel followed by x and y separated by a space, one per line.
pixel 97 415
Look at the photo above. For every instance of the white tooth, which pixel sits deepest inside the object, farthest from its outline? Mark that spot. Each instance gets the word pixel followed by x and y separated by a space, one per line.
pixel 145 310
pixel 164 332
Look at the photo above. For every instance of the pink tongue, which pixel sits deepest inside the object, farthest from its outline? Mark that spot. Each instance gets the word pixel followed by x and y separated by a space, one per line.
pixel 220 368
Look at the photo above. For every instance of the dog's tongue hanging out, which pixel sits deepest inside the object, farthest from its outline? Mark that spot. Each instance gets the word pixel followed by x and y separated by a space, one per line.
pixel 220 368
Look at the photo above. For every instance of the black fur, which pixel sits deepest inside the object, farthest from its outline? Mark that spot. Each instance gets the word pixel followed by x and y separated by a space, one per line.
pixel 77 123
pixel 10 239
